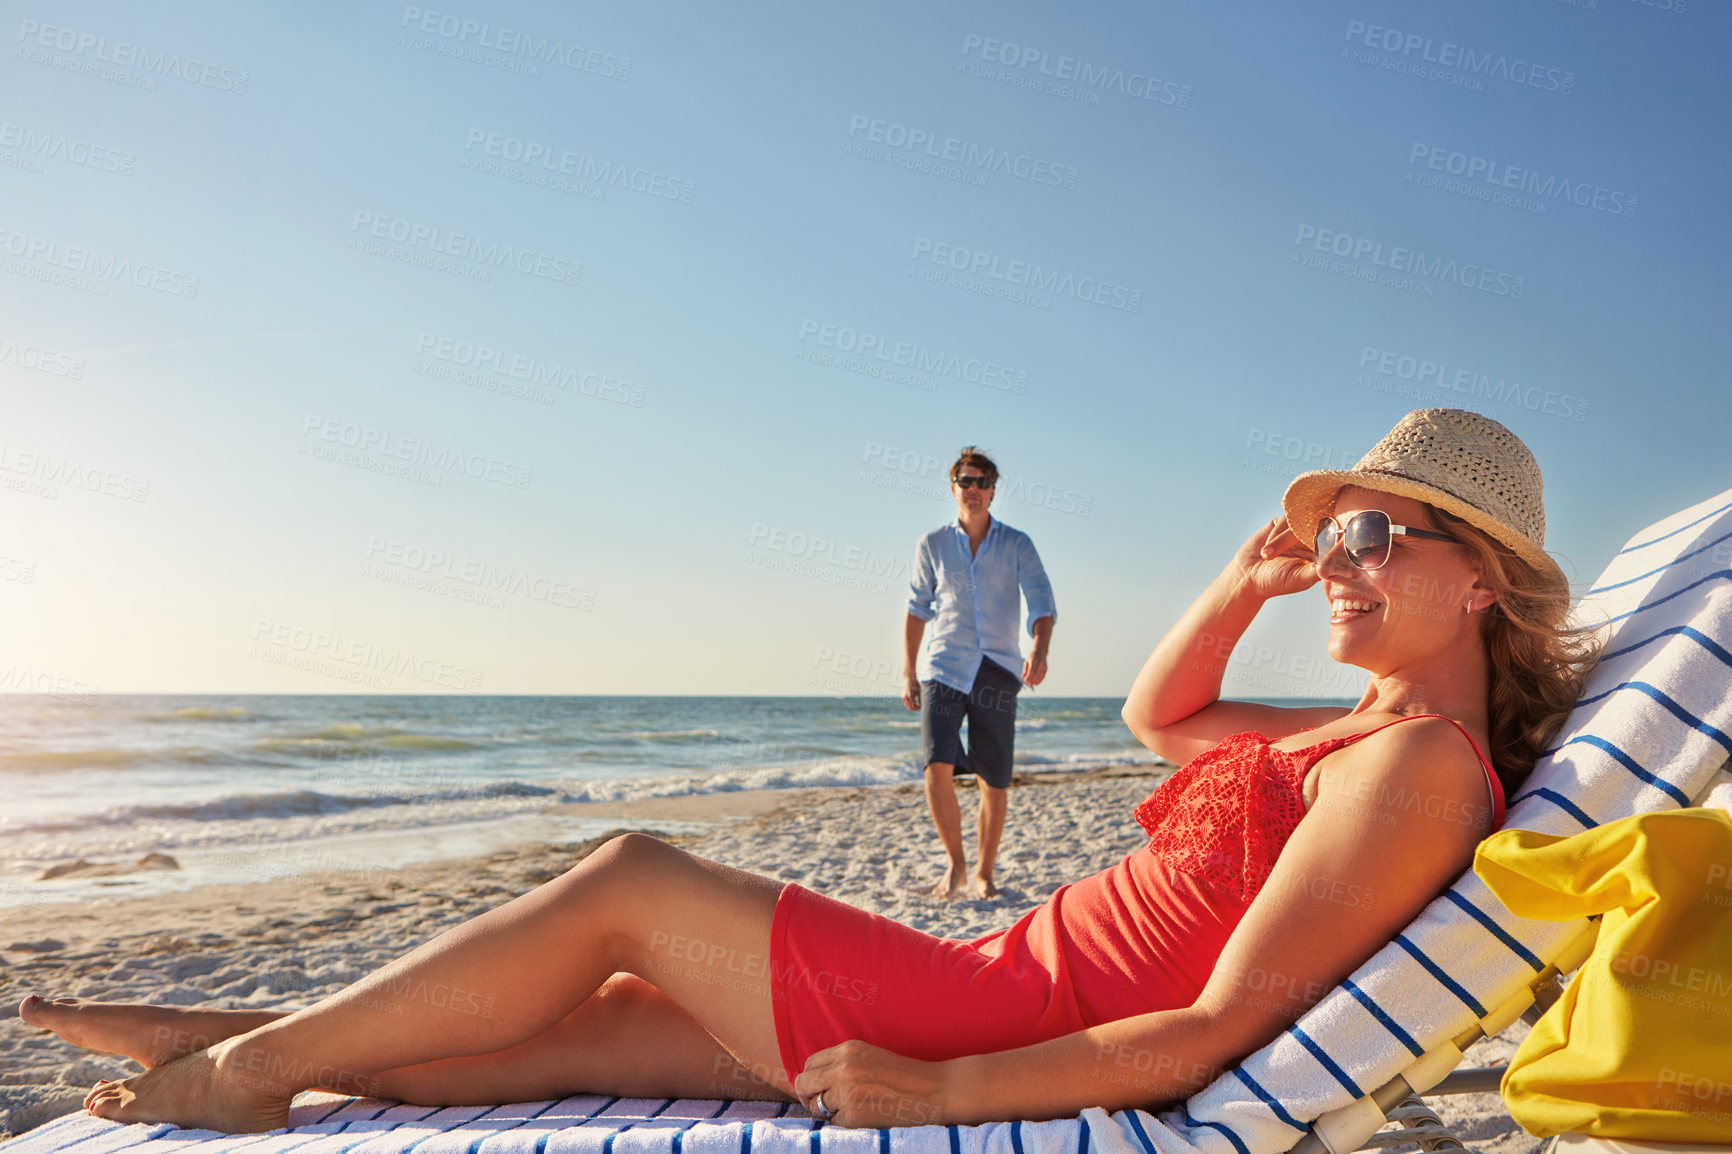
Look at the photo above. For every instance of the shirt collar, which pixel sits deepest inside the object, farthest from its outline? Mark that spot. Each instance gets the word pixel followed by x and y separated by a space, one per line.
pixel 991 528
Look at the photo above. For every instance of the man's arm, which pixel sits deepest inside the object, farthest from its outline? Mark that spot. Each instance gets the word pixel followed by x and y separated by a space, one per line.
pixel 912 631
pixel 1034 665
pixel 1042 610
pixel 922 607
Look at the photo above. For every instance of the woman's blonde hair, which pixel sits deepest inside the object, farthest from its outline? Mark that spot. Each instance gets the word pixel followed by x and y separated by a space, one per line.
pixel 1538 663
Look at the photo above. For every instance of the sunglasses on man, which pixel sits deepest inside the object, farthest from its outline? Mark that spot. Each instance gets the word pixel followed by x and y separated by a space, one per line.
pixel 1366 536
pixel 973 482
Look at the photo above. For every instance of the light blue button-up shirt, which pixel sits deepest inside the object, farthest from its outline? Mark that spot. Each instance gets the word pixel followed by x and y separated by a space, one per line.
pixel 972 600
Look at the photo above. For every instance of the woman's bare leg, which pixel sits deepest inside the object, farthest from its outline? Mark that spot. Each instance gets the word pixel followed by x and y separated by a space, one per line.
pixel 616 1042
pixel 699 931
pixel 628 1039
pixel 149 1035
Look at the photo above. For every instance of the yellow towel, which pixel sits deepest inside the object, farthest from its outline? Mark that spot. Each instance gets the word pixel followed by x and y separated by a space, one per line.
pixel 1640 1044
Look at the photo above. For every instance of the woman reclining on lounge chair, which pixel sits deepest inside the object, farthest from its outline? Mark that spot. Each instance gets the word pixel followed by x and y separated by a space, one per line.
pixel 1291 846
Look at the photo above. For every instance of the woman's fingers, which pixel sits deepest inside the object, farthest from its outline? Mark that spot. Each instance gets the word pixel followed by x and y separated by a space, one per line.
pixel 1279 540
pixel 865 1085
pixel 1282 563
pixel 1282 541
pixel 814 1080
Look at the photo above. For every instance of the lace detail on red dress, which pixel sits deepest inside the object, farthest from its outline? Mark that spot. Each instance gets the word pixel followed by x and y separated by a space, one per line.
pixel 1224 816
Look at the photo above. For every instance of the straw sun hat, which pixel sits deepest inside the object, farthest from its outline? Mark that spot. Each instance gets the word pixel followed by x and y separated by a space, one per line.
pixel 1460 462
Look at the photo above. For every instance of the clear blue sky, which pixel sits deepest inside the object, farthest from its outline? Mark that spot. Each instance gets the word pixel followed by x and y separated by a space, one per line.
pixel 683 216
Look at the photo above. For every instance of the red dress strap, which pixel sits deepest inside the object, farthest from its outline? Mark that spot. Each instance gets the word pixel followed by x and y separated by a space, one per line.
pixel 1491 778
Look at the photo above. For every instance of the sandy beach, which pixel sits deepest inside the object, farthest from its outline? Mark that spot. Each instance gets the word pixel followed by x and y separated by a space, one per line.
pixel 289 941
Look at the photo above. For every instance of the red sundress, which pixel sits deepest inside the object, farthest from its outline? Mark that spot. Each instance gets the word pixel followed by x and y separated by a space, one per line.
pixel 1140 936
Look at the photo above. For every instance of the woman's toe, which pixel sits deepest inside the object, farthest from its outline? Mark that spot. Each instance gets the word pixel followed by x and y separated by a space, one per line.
pixel 34 1008
pixel 114 1102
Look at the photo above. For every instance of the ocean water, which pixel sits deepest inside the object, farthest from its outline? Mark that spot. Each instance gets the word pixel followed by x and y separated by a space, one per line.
pixel 249 786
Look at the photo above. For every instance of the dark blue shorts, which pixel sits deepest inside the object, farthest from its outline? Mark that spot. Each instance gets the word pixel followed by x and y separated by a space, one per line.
pixel 990 709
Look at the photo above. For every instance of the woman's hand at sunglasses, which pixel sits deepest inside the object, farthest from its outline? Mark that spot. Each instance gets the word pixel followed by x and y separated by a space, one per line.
pixel 1273 562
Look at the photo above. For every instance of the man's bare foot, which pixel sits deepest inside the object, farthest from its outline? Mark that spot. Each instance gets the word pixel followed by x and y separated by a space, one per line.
pixel 982 888
pixel 951 885
pixel 149 1035
pixel 206 1090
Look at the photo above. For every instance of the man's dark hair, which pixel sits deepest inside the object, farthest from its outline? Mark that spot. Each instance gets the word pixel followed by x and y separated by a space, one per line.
pixel 971 456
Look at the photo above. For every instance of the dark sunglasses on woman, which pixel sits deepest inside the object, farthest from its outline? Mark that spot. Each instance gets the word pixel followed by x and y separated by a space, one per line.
pixel 1366 536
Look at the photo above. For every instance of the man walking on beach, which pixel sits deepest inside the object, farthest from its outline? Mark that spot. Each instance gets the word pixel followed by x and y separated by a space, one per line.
pixel 967 577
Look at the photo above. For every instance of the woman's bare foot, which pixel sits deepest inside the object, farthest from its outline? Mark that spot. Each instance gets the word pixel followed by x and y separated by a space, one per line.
pixel 149 1035
pixel 982 888
pixel 206 1090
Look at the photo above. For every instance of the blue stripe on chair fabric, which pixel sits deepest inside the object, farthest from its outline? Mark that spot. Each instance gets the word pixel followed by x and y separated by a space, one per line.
pixel 1497 931
pixel 527 1113
pixel 1630 764
pixel 1673 532
pixel 78 1136
pixel 1563 803
pixel 1671 707
pixel 1324 1060
pixel 1681 557
pixel 1600 696
pixel 1685 716
pixel 1695 635
pixel 883 1142
pixel 321 1114
pixel 1267 1099
pixel 1443 979
pixel 1221 1128
pixel 1383 1019
pixel 1643 608
pixel 1136 1125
